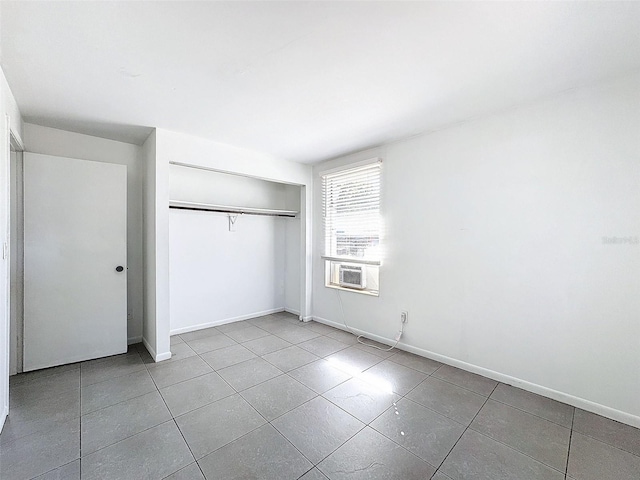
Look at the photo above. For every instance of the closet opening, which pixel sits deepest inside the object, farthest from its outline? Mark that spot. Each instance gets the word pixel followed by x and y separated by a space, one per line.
pixel 234 247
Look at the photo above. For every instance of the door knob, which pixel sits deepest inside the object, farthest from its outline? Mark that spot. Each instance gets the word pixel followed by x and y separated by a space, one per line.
pixel 119 268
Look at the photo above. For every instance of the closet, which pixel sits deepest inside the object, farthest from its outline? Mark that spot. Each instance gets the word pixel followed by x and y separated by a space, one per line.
pixel 234 247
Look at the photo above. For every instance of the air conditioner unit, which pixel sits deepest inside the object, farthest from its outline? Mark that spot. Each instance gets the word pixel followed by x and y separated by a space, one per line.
pixel 352 276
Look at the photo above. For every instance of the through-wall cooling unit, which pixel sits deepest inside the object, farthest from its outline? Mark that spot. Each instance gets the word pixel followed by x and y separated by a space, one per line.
pixel 352 276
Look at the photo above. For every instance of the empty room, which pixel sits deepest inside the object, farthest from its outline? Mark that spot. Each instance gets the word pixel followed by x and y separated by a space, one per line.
pixel 320 240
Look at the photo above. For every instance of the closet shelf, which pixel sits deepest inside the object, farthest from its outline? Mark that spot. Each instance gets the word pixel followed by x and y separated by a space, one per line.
pixel 208 207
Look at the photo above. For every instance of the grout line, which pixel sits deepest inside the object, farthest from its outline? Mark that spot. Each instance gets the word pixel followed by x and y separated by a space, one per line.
pixel 350 414
pixel 435 468
pixel 248 433
pixel 315 395
pixel 511 447
pixel 314 391
pixel 403 397
pixel 117 403
pixel 421 371
pixel 475 392
pixel 56 468
pixel 394 405
pixel 173 419
pixel 465 430
pixel 37 397
pixel 127 438
pixel 235 392
pixel 185 467
pixel 14 378
pixel 267 422
pixel 435 411
pixel 188 379
pixel 533 414
pixel 566 468
pixel 420 383
pixel 273 364
pixel 312 467
pixel 381 359
pixel 334 450
pixel 465 388
pixel 114 377
pixel 599 440
pixel 80 393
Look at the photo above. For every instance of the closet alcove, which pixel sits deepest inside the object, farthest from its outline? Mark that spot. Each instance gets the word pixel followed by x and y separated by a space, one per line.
pixel 234 247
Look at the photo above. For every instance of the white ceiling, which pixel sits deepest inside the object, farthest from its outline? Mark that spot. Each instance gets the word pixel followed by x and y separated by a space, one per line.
pixel 302 81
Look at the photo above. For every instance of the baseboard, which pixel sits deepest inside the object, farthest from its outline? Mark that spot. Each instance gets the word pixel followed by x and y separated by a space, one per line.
pixel 157 357
pixel 134 340
pixel 162 356
pixel 151 350
pixel 216 323
pixel 582 403
pixel 308 318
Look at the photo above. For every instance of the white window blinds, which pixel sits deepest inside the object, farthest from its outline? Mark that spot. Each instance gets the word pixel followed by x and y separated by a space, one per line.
pixel 351 207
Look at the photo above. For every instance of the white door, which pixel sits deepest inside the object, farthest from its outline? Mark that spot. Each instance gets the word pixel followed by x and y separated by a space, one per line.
pixel 75 250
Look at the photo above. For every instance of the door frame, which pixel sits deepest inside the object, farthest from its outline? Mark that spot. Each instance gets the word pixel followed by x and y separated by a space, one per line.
pixel 13 143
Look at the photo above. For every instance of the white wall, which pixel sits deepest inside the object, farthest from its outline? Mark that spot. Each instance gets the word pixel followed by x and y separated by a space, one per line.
pixel 177 147
pixel 293 260
pixel 494 244
pixel 156 251
pixel 10 107
pixel 203 186
pixel 149 239
pixel 164 147
pixel 292 284
pixel 50 141
pixel 218 276
pixel 10 121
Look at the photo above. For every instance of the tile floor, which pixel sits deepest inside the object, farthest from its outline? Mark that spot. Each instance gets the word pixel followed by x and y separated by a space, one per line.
pixel 271 398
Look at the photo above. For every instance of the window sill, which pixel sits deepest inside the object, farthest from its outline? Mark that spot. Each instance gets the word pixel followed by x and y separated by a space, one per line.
pixel 354 290
pixel 359 261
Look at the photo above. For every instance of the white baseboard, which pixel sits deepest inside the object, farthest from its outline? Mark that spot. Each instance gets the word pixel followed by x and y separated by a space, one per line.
pixel 216 323
pixel 157 357
pixel 3 417
pixel 162 356
pixel 151 351
pixel 308 318
pixel 582 403
pixel 134 340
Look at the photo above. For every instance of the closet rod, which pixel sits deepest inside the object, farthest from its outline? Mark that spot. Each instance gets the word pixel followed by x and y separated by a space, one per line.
pixel 207 207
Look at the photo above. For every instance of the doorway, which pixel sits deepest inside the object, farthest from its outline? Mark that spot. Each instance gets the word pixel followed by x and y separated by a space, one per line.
pixel 16 257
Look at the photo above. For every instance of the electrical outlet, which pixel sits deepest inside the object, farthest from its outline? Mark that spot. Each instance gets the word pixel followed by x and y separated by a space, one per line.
pixel 404 317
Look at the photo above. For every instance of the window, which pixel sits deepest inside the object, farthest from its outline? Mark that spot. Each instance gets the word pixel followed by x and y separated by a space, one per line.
pixel 351 208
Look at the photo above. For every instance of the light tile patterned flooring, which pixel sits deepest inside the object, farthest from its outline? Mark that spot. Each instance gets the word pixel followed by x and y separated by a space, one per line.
pixel 272 398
